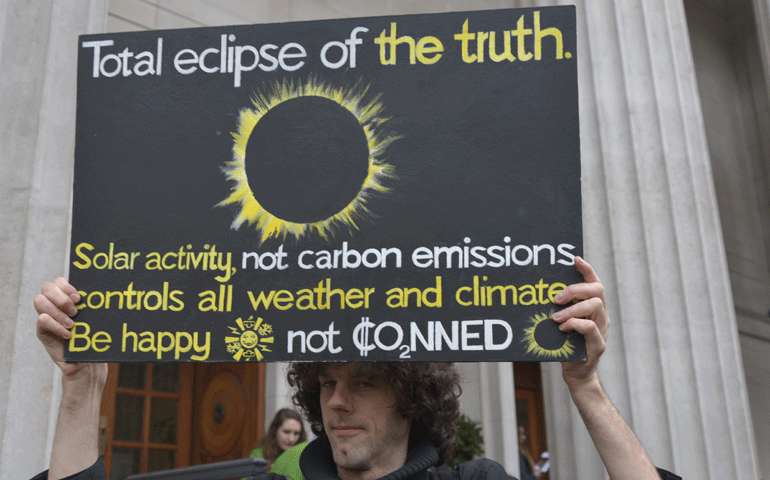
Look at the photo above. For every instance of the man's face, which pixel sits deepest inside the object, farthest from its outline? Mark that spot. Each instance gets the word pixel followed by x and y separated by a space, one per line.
pixel 369 438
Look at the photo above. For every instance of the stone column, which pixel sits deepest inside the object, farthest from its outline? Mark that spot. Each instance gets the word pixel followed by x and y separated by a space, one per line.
pixel 762 19
pixel 652 231
pixel 38 52
pixel 501 438
pixel 489 398
pixel 277 391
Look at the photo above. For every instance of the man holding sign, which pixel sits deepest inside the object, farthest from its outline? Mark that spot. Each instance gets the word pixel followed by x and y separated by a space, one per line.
pixel 404 185
pixel 368 422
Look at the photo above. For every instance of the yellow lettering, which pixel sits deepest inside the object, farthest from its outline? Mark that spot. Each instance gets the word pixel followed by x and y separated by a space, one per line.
pixel 127 334
pixel 353 298
pixel 502 289
pixel 208 302
pixel 91 302
pixel 77 335
pixel 163 261
pixel 429 297
pixel 206 348
pixel 266 301
pixel 305 299
pixel 318 298
pixel 427 50
pixel 153 261
pixel 527 291
pixel 387 57
pixel 459 292
pixel 149 303
pixel 482 295
pixel 179 349
pixel 480 39
pixel 520 33
pixel 554 290
pixel 179 304
pixel 437 295
pixel 101 337
pixel 395 298
pixel 177 342
pixel 79 252
pixel 161 348
pixel 147 343
pixel 539 34
pixel 506 55
pixel 283 300
pixel 368 292
pixel 466 37
pixel 426 46
pixel 100 341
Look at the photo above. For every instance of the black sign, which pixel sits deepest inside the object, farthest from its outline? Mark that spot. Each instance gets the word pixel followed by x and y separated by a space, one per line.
pixel 390 188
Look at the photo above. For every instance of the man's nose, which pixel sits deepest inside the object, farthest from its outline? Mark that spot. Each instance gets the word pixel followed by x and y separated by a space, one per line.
pixel 340 399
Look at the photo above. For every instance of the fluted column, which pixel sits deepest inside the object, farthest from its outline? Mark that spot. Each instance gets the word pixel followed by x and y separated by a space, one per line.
pixel 489 398
pixel 673 365
pixel 38 59
pixel 762 19
pixel 277 391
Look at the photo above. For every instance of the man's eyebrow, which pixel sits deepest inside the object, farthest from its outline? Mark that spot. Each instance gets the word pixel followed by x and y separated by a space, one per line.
pixel 364 371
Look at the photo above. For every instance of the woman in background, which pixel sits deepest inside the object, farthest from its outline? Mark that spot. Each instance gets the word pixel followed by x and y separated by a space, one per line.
pixel 284 431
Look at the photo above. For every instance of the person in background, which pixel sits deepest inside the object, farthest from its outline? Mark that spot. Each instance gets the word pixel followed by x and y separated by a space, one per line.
pixel 287 463
pixel 527 470
pixel 285 431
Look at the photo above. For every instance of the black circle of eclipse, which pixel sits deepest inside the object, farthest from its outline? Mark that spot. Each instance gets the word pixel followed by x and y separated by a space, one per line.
pixel 306 159
pixel 548 336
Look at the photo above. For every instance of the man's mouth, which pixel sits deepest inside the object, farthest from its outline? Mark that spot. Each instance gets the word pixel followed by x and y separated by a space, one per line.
pixel 346 430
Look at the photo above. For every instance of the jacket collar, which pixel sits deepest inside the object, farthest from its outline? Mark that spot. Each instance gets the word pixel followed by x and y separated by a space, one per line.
pixel 317 462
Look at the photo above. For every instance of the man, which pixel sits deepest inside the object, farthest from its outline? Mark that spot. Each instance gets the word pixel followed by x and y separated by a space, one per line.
pixel 371 416
pixel 373 420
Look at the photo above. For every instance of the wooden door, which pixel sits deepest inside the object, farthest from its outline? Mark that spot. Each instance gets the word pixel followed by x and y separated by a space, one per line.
pixel 162 416
pixel 530 410
pixel 145 423
pixel 229 411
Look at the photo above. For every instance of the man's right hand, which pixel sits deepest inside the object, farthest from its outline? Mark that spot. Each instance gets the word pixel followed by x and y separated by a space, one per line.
pixel 55 306
pixel 75 443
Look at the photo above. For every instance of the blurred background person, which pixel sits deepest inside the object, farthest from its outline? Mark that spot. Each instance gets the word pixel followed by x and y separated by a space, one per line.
pixel 286 430
pixel 527 466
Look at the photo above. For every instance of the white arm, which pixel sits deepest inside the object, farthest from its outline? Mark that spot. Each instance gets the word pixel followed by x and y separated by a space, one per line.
pixel 75 445
pixel 621 451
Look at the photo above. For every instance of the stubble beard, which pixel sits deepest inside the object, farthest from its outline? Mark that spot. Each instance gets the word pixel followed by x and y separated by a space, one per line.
pixel 352 457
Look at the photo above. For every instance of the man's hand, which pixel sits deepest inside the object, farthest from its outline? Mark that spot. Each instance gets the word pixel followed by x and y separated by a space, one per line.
pixel 55 306
pixel 75 442
pixel 589 317
pixel 622 453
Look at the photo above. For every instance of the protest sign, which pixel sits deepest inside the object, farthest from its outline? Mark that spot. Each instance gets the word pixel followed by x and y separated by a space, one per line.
pixel 390 188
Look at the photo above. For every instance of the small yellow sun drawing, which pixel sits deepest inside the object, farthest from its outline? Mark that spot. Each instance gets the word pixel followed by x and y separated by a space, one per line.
pixel 250 339
pixel 553 351
pixel 370 117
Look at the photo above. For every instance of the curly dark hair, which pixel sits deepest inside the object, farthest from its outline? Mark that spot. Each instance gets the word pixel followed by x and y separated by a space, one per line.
pixel 427 393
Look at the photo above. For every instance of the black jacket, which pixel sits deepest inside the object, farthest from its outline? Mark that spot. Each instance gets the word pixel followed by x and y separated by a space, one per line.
pixel 317 463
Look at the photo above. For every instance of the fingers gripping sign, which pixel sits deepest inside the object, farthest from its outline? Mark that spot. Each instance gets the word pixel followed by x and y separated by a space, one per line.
pixel 55 306
pixel 588 316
